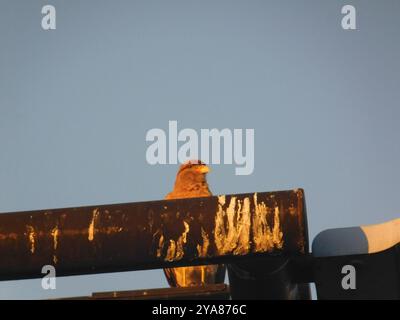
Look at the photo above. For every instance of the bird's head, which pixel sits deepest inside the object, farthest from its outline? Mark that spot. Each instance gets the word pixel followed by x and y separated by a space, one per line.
pixel 195 166
pixel 192 177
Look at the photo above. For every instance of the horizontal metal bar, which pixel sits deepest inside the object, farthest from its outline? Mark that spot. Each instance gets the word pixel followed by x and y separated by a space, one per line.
pixel 154 234
pixel 209 292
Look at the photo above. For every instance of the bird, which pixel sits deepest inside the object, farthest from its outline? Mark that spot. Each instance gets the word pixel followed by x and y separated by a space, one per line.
pixel 191 182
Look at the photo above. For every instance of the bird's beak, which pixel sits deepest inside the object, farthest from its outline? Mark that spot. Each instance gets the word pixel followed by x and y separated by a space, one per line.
pixel 203 169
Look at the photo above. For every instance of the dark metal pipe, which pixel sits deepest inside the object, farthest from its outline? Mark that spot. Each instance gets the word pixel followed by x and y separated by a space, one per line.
pixel 155 234
pixel 276 278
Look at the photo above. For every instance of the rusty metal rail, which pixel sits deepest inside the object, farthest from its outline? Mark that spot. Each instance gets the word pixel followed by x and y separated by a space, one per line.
pixel 155 234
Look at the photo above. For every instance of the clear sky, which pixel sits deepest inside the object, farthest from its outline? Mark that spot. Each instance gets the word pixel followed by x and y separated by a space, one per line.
pixel 76 103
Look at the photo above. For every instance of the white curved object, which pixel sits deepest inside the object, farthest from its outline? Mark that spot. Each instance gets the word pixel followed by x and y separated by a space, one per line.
pixel 357 240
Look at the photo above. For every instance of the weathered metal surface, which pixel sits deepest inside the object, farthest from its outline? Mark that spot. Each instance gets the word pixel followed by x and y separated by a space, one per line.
pixel 218 291
pixel 271 277
pixel 209 292
pixel 266 278
pixel 369 276
pixel 156 234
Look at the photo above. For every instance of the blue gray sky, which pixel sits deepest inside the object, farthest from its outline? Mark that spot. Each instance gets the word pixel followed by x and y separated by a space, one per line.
pixel 76 103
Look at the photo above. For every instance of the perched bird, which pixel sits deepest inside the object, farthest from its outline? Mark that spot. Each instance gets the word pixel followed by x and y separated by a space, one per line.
pixel 191 183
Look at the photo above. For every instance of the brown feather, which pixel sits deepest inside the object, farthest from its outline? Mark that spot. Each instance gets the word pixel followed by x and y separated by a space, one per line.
pixel 191 183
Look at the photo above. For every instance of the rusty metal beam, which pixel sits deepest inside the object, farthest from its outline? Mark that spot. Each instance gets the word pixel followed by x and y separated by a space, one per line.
pixel 156 234
pixel 218 291
pixel 206 292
